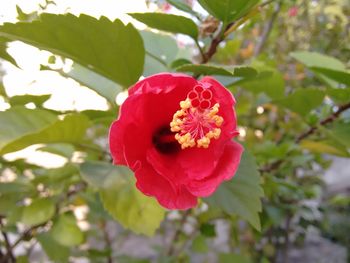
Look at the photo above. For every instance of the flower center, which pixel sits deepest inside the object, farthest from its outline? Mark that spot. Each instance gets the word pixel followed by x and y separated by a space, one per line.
pixel 197 122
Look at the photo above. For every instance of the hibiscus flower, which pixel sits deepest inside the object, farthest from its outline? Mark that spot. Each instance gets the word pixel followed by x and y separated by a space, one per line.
pixel 176 134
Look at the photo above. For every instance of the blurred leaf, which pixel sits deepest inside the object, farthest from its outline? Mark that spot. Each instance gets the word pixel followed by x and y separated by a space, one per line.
pixel 98 83
pixel 54 250
pixel 241 195
pixel 228 10
pixel 230 258
pixel 168 22
pixel 325 146
pixel 109 48
pixel 22 127
pixel 38 100
pixel 208 230
pixel 337 75
pixel 317 60
pixel 341 131
pixel 38 212
pixel 66 232
pixel 314 59
pixel 181 5
pixel 245 72
pixel 339 95
pixel 62 149
pixel 302 101
pixel 121 199
pixel 179 62
pixel 199 245
pixel 3 53
pixel 268 80
pixel 199 69
pixel 160 51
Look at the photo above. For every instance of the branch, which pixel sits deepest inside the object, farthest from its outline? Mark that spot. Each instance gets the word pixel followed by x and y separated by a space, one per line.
pixel 267 29
pixel 9 249
pixel 177 233
pixel 324 122
pixel 275 165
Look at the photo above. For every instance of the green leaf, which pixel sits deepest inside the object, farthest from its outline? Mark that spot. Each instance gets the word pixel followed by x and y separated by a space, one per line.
pixel 302 101
pixel 98 83
pixel 341 131
pixel 204 70
pixel 62 149
pixel 160 51
pixel 168 22
pixel 38 100
pixel 121 198
pixel 66 232
pixel 181 5
pixel 241 195
pixel 22 127
pixel 38 212
pixel 199 245
pixel 268 80
pixel 236 258
pixel 179 62
pixel 109 48
pixel 3 53
pixel 245 72
pixel 317 60
pixel 314 59
pixel 339 95
pixel 54 250
pixel 228 10
pixel 325 146
pixel 336 75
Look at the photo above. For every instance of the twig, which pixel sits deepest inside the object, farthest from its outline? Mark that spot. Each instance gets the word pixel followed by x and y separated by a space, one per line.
pixel 267 29
pixel 177 233
pixel 7 245
pixel 324 122
pixel 275 165
pixel 108 242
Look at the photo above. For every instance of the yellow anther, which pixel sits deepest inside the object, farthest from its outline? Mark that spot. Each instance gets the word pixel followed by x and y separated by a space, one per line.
pixel 185 104
pixel 203 142
pixel 218 120
pixel 189 123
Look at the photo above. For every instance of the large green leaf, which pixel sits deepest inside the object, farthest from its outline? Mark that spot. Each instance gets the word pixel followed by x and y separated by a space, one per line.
pixel 121 198
pixel 204 70
pixel 168 22
pixel 38 212
pixel 3 51
pixel 340 76
pixel 341 131
pixel 110 48
pixel 228 10
pixel 340 96
pixel 241 195
pixel 161 51
pixel 22 127
pixel 54 250
pixel 101 85
pixel 38 100
pixel 302 101
pixel 66 232
pixel 181 5
pixel 315 60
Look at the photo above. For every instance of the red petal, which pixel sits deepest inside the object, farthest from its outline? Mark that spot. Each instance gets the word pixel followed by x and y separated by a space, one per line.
pixel 152 184
pixel 225 170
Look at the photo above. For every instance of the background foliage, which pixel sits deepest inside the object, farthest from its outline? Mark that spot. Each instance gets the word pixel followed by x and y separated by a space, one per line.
pixel 287 64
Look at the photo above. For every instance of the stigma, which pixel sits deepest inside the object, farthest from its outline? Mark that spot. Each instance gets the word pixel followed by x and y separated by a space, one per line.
pixel 197 122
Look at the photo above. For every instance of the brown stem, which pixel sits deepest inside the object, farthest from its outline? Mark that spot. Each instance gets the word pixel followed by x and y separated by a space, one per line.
pixel 9 253
pixel 324 122
pixel 275 165
pixel 108 242
pixel 177 233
